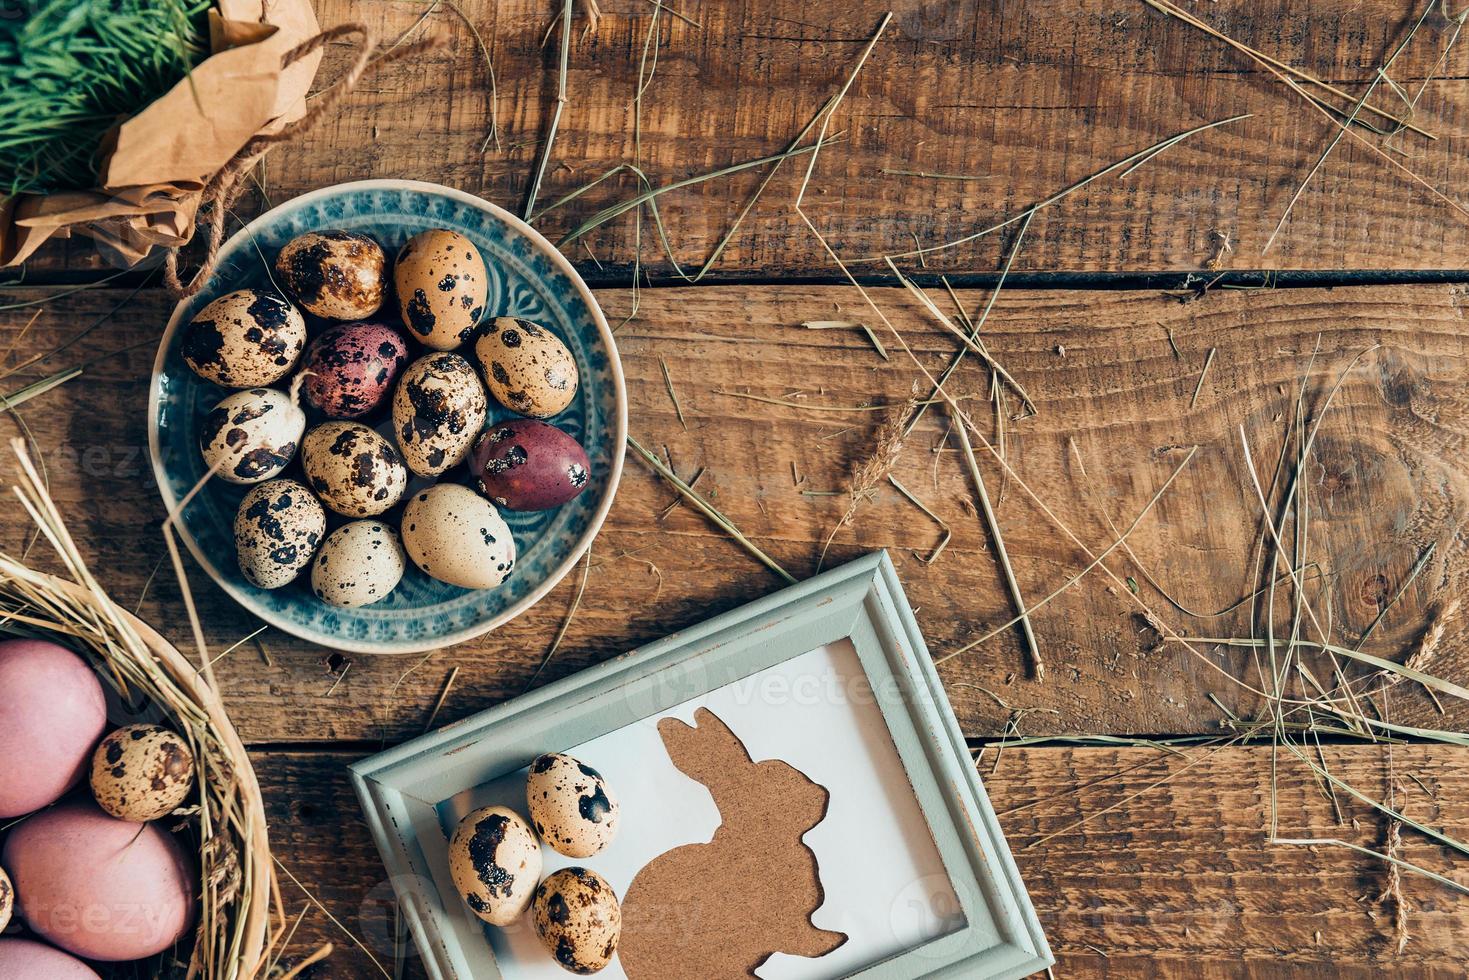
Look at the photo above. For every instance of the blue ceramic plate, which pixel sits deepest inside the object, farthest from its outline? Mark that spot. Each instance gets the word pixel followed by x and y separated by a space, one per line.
pixel 529 278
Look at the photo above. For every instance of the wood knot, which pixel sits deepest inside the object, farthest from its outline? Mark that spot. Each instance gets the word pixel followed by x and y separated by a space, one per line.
pixel 1375 591
pixel 1398 387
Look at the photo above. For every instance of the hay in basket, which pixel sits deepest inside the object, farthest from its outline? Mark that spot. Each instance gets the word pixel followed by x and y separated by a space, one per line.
pixel 225 817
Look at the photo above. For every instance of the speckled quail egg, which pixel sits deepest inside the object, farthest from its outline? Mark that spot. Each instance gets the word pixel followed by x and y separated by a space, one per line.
pixel 142 772
pixel 244 339
pixel 277 528
pixel 457 536
pixel 495 861
pixel 359 563
pixel 526 464
pixel 528 368
pixel 350 368
pixel 578 918
pixel 334 274
pixel 7 900
pixel 438 409
pixel 354 471
pixel 252 434
pixel 570 805
pixel 442 284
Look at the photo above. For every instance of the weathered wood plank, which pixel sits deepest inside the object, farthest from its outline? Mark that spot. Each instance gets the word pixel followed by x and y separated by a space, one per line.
pixel 1031 96
pixel 1388 482
pixel 1176 882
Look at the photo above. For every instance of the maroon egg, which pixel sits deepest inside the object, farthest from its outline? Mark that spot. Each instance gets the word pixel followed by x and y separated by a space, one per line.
pixel 351 367
pixel 529 465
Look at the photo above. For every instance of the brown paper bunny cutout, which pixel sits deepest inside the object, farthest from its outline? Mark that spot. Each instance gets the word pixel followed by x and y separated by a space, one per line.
pixel 717 911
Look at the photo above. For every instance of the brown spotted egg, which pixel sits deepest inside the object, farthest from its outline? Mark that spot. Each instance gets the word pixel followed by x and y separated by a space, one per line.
pixel 277 528
pixel 359 563
pixel 528 368
pixel 578 918
pixel 251 435
pixel 334 274
pixel 438 409
pixel 495 861
pixel 142 772
pixel 570 805
pixel 244 339
pixel 457 536
pixel 354 471
pixel 442 284
pixel 7 899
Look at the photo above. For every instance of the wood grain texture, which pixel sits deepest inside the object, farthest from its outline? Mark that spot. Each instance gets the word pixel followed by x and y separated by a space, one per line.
pixel 1388 482
pixel 1030 96
pixel 1178 882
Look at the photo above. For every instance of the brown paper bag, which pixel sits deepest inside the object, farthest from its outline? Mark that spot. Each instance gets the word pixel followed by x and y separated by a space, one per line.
pixel 156 163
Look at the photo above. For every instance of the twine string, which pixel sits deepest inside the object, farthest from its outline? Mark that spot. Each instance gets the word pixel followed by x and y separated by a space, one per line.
pixel 225 187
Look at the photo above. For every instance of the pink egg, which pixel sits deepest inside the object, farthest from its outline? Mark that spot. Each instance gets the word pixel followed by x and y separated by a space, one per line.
pixel 52 714
pixel 350 369
pixel 99 887
pixel 25 959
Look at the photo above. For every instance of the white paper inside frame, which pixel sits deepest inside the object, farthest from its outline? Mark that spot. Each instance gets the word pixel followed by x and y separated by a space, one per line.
pixel 884 883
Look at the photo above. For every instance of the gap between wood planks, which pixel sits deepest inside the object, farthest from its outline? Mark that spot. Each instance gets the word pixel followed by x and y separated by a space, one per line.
pixel 619 276
pixel 366 747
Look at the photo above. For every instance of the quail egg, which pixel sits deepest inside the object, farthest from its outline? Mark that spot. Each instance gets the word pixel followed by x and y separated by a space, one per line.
pixel 457 536
pixel 442 284
pixel 7 900
pixel 570 805
pixel 277 528
pixel 334 274
pixel 359 563
pixel 495 861
pixel 529 465
pixel 252 435
pixel 244 339
pixel 578 918
pixel 528 368
pixel 354 471
pixel 142 772
pixel 438 409
pixel 350 368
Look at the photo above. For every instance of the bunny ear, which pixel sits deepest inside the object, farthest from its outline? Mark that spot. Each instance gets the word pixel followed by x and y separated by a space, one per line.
pixel 707 753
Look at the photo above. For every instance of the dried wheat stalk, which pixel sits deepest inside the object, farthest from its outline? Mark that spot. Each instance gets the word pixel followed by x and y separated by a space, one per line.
pixel 1423 656
pixel 876 467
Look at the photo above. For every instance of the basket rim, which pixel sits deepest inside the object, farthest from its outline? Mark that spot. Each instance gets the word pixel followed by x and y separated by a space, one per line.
pixel 256 905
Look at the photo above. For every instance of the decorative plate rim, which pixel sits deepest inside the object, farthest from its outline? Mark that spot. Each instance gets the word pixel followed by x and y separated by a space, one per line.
pixel 618 425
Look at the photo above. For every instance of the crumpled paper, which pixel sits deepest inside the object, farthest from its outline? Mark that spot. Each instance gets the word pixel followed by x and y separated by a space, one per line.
pixel 156 163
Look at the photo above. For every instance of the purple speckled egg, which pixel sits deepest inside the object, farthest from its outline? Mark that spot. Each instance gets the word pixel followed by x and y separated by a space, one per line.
pixel 529 465
pixel 52 714
pixel 26 959
pixel 101 888
pixel 351 367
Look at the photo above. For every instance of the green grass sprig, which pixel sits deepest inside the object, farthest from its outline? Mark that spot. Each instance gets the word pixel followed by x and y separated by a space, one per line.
pixel 71 69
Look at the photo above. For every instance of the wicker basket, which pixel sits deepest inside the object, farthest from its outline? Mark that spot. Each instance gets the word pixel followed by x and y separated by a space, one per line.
pixel 237 881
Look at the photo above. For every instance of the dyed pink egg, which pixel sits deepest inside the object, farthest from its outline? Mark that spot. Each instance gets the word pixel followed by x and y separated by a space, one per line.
pixel 26 959
pixel 52 714
pixel 351 367
pixel 529 465
pixel 102 888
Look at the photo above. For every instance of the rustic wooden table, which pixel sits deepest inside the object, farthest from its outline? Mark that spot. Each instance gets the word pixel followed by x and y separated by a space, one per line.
pixel 1142 860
